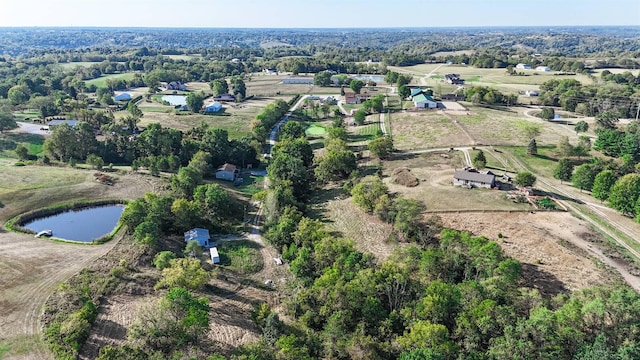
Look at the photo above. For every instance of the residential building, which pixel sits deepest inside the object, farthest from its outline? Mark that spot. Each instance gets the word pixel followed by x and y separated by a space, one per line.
pixel 270 71
pixel 523 66
pixel 474 179
pixel 424 101
pixel 353 98
pixel 213 107
pixel 543 68
pixel 227 172
pixel 454 79
pixel 198 234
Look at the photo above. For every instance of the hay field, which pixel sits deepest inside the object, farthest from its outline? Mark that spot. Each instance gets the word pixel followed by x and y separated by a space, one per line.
pixel 423 130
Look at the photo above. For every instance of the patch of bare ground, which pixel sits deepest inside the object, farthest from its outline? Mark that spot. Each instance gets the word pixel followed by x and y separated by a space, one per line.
pixel 557 250
pixel 369 233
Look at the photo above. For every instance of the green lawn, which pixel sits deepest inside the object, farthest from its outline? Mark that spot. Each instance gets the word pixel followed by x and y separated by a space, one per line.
pixel 544 163
pixel 241 256
pixel 315 130
pixel 102 81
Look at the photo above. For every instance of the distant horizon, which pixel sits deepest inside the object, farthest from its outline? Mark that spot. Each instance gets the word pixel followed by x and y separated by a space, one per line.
pixel 320 28
pixel 310 14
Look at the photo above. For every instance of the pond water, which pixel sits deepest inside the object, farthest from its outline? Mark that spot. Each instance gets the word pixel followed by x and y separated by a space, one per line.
pixel 83 225
pixel 175 100
pixel 374 78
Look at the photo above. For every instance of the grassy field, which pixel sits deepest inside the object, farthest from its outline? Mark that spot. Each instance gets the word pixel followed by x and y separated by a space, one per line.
pixel 241 256
pixel 426 129
pixel 544 163
pixel 9 141
pixel 315 130
pixel 73 65
pixel 102 81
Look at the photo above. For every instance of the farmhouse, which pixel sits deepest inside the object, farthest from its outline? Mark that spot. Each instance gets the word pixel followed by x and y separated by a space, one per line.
pixel 227 172
pixel 225 98
pixel 474 179
pixel 532 93
pixel 298 80
pixel 198 234
pixel 543 68
pixel 424 101
pixel 270 71
pixel 123 97
pixel 213 108
pixel 53 123
pixel 523 66
pixel 353 98
pixel 215 257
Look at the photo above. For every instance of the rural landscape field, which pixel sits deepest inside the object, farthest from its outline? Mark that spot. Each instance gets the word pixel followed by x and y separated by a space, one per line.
pixel 279 185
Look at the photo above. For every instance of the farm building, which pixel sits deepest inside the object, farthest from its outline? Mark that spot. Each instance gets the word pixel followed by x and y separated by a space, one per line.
pixel 523 66
pixel 53 123
pixel 474 179
pixel 353 98
pixel 227 172
pixel 532 93
pixel 225 97
pixel 298 80
pixel 215 257
pixel 424 101
pixel 213 107
pixel 270 71
pixel 454 79
pixel 198 234
pixel 416 92
pixel 543 68
pixel 122 97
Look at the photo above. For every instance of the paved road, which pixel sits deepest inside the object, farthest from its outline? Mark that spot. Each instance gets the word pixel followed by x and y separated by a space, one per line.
pixel 274 131
pixel 32 129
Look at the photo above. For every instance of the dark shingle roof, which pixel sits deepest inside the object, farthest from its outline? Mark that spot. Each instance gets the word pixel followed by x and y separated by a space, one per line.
pixel 474 176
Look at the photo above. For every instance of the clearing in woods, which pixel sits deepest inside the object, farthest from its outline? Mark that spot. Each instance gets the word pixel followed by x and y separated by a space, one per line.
pixel 31 268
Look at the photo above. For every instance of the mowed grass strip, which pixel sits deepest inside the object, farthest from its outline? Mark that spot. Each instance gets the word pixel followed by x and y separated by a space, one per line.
pixel 101 82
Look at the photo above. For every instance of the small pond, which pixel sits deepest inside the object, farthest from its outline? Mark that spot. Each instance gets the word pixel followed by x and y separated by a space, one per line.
pixel 84 225
pixel 374 78
pixel 175 100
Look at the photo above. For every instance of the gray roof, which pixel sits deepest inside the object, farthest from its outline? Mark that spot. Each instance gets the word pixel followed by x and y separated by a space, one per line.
pixel 474 176
pixel 71 123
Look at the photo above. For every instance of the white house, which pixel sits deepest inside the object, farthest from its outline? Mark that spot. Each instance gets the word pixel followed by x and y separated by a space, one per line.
pixel 543 68
pixel 424 101
pixel 215 257
pixel 532 93
pixel 198 234
pixel 474 179
pixel 523 66
pixel 227 172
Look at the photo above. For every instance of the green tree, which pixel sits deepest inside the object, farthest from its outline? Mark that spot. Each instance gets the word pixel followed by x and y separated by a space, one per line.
pixel 184 272
pixel 367 191
pixel 7 122
pixel 563 170
pixel 359 116
pixel 581 126
pixel 214 202
pixel 584 176
pixel 602 184
pixel 185 181
pixel 336 164
pixel 220 86
pixel 381 147
pixel 134 110
pixel 532 148
pixel 404 91
pixel 323 78
pixel 356 86
pixel 239 88
pixel 195 102
pixel 479 161
pixel 547 113
pixel 22 152
pixel 292 130
pixel 193 249
pixel 95 161
pixel 607 120
pixel 19 94
pixel 162 259
pixel 525 178
pixel 186 214
pixel 624 194
pixel 531 130
pixel 564 148
pixel 146 233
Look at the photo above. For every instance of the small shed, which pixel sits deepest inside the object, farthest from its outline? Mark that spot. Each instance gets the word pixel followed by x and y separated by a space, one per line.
pixel 215 257
pixel 198 234
pixel 122 97
pixel 227 172
pixel 424 101
pixel 213 107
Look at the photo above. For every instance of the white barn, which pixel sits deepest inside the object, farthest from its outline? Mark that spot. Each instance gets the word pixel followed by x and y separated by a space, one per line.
pixel 227 172
pixel 543 68
pixel 424 101
pixel 523 66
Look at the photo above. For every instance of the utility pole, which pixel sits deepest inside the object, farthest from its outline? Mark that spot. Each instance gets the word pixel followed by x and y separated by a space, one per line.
pixel 638 112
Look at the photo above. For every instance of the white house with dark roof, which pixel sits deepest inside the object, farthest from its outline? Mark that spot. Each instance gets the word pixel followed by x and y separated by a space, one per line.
pixel 474 179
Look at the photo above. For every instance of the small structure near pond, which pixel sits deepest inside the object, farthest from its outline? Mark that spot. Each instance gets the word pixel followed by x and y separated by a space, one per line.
pixel 198 234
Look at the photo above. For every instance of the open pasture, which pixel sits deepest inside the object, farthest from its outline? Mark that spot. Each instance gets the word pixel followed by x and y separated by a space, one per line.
pixel 101 82
pixel 425 129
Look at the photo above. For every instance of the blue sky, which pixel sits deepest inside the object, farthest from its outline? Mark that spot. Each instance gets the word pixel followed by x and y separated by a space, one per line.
pixel 325 13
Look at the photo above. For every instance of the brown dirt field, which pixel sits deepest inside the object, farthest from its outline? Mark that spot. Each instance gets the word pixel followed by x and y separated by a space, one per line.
pixel 31 268
pixel 553 247
pixel 435 188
